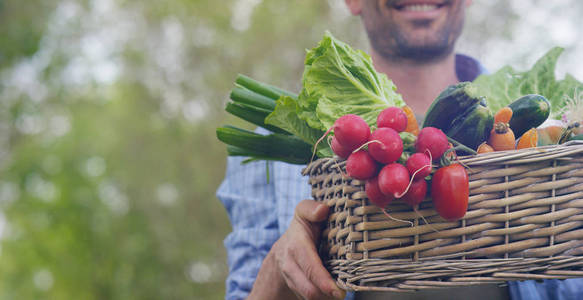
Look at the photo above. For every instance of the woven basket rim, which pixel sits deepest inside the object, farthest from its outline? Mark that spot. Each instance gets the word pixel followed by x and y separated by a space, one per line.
pixel 498 157
pixel 512 212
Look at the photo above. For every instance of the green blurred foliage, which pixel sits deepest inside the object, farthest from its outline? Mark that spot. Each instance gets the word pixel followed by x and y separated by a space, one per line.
pixel 108 157
pixel 21 31
pixel 109 160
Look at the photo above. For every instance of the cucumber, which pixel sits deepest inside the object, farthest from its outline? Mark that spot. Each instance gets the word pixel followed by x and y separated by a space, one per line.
pixel 461 114
pixel 473 128
pixel 528 112
pixel 455 100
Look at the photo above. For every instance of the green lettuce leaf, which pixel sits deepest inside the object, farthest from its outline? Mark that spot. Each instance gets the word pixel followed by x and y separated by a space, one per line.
pixel 338 80
pixel 328 111
pixel 507 84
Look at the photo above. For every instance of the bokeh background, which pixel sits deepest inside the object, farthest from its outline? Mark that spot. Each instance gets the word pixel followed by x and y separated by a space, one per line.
pixel 108 157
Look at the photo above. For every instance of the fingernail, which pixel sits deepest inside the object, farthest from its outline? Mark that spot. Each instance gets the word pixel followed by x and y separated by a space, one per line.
pixel 337 294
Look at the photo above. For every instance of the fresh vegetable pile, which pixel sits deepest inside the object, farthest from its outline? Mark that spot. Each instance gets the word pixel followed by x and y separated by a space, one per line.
pixel 396 164
pixel 347 109
pixel 337 80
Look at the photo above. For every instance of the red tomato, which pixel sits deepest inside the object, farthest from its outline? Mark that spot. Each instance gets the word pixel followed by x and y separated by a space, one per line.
pixel 450 190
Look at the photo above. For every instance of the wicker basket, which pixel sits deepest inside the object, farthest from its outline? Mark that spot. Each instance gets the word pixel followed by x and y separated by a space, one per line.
pixel 524 221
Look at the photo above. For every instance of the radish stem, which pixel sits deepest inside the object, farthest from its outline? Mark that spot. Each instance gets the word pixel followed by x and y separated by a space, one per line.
pixel 462 146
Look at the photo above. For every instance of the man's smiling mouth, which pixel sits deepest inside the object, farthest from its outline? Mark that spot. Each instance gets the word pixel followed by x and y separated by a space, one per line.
pixel 419 6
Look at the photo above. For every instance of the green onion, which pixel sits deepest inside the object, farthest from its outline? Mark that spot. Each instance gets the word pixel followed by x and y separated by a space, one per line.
pixel 274 146
pixel 252 115
pixel 262 88
pixel 243 95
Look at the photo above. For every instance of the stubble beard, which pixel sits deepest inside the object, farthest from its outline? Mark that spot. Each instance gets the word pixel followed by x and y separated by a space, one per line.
pixel 393 43
pixel 401 47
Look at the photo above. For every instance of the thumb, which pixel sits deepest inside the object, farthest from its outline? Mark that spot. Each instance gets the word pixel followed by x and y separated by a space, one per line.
pixel 311 211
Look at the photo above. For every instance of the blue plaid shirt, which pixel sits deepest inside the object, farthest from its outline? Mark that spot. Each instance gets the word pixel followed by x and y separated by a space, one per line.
pixel 260 212
pixel 260 198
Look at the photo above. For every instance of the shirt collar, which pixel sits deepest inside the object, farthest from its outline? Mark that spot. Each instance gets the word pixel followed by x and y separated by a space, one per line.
pixel 468 68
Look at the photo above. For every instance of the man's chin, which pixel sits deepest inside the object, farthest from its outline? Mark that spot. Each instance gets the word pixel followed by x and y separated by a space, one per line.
pixel 423 53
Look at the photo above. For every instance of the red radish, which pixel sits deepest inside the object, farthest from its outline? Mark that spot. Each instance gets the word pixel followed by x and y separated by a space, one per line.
pixel 351 131
pixel 375 195
pixel 432 139
pixel 393 180
pixel 392 117
pixel 387 146
pixel 338 149
pixel 416 192
pixel 360 165
pixel 419 161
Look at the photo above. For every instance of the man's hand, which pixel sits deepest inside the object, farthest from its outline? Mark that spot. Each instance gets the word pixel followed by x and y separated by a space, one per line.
pixel 292 266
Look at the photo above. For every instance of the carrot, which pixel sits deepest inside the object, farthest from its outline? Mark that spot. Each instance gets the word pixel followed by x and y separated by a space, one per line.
pixel 502 137
pixel 503 115
pixel 412 125
pixel 485 148
pixel 528 140
pixel 549 135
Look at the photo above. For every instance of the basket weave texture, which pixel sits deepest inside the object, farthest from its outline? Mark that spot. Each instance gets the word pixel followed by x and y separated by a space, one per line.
pixel 524 221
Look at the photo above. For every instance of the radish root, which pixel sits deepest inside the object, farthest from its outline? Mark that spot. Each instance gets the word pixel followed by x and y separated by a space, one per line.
pixel 366 144
pixel 397 195
pixel 344 175
pixel 395 219
pixel 416 210
pixel 318 142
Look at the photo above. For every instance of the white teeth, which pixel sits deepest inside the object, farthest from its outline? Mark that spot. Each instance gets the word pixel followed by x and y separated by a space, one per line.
pixel 420 7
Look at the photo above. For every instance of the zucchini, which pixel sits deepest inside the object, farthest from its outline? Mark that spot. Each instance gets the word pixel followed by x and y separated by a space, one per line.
pixel 455 100
pixel 461 114
pixel 527 112
pixel 472 129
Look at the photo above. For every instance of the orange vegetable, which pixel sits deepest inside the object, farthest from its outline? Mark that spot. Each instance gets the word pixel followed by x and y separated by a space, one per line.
pixel 528 140
pixel 503 115
pixel 412 126
pixel 502 137
pixel 485 148
pixel 549 135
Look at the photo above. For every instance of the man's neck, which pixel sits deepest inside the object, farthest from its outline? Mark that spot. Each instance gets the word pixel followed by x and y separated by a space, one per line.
pixel 419 84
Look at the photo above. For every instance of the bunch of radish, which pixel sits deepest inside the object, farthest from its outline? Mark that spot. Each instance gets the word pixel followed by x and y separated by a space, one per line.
pixel 374 157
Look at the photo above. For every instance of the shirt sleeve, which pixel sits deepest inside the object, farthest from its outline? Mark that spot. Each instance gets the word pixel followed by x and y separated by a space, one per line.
pixel 249 199
pixel 549 289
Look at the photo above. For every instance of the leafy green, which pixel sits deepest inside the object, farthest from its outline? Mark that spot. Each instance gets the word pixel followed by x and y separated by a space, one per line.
pixel 328 111
pixel 507 84
pixel 337 80
pixel 285 117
